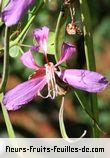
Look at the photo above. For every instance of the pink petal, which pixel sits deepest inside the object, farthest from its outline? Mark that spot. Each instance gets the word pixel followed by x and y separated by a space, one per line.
pixel 67 51
pixel 84 79
pixel 15 10
pixel 23 93
pixel 41 35
pixel 28 60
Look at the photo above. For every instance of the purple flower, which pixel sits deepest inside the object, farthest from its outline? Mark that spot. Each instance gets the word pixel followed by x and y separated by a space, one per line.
pixel 49 74
pixel 15 10
pixel 41 36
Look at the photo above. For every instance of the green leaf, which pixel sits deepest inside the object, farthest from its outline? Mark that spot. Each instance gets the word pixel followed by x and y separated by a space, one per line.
pixel 51 43
pixel 14 51
pixel 90 58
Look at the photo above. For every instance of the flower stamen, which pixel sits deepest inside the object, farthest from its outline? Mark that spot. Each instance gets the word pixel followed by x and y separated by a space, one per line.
pixel 51 81
pixel 44 97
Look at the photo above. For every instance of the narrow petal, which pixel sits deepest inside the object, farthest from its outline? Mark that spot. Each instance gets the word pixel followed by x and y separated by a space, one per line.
pixel 84 79
pixel 15 10
pixel 67 51
pixel 41 36
pixel 28 60
pixel 23 93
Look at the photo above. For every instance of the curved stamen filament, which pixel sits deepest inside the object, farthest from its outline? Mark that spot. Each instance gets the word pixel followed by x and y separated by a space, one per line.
pixel 53 85
pixel 39 94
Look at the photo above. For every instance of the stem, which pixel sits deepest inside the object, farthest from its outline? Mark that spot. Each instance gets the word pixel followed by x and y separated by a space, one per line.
pixel 3 83
pixel 24 45
pixel 6 61
pixel 62 126
pixel 59 33
pixel 90 59
pixel 7 119
pixel 61 120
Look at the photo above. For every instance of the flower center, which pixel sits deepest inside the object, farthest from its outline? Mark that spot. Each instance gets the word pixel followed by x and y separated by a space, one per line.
pixel 51 81
pixel 54 89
